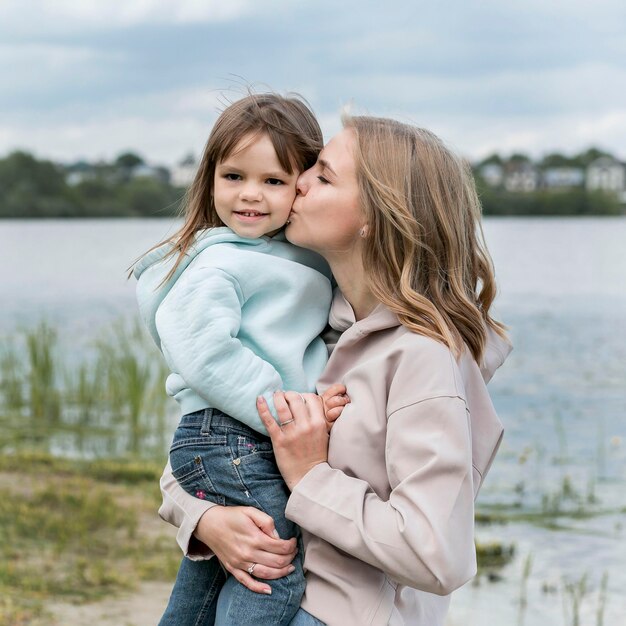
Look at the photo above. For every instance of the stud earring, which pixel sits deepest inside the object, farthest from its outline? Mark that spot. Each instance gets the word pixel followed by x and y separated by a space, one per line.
pixel 363 232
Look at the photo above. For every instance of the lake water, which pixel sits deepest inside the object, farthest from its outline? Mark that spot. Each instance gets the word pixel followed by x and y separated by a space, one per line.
pixel 561 395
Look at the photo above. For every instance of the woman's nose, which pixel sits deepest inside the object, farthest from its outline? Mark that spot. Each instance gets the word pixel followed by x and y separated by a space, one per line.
pixel 302 184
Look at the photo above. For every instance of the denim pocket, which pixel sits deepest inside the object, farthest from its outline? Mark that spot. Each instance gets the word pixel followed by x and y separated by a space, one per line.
pixel 192 477
pixel 250 446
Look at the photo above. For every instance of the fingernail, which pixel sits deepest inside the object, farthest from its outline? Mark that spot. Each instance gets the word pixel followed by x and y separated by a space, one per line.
pixel 291 569
pixel 276 535
pixel 268 591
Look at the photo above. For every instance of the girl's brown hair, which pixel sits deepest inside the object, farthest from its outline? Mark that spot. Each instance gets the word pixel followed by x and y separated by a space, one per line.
pixel 293 131
pixel 425 254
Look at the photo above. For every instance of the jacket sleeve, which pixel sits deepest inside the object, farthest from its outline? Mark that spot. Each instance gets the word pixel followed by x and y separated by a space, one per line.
pixel 183 511
pixel 423 535
pixel 198 322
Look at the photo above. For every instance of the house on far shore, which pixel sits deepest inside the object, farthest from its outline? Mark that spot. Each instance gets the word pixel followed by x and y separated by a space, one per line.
pixel 521 176
pixel 492 174
pixel 607 174
pixel 183 173
pixel 79 172
pixel 563 177
pixel 155 172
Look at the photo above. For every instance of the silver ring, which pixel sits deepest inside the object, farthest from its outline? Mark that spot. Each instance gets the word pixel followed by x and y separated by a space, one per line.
pixel 286 422
pixel 251 569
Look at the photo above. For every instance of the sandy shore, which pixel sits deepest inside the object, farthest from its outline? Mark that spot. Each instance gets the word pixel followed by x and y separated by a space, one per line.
pixel 142 608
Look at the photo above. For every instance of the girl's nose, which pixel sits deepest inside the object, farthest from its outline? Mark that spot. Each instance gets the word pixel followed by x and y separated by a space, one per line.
pixel 250 193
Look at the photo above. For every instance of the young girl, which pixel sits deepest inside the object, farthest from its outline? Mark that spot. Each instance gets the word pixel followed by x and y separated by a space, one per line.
pixel 237 312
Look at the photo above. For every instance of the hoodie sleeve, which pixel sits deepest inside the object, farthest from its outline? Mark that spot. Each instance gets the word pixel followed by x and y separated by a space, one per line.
pixel 423 535
pixel 184 512
pixel 198 322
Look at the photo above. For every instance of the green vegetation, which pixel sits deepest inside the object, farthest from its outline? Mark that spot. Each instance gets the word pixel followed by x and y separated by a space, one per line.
pixel 77 531
pixel 554 159
pixel 559 202
pixel 82 529
pixel 111 403
pixel 30 188
pixel 493 555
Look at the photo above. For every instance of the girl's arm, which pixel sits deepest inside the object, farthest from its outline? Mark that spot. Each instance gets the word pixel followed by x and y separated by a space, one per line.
pixel 238 536
pixel 423 535
pixel 198 322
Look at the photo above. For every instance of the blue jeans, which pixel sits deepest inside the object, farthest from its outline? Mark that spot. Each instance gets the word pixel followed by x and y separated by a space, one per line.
pixel 217 458
pixel 301 618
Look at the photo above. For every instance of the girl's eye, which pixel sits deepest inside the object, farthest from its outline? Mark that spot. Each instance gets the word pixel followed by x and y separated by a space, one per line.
pixel 323 180
pixel 232 176
pixel 274 181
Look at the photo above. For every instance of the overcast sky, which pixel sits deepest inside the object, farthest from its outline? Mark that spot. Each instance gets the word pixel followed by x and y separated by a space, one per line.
pixel 91 78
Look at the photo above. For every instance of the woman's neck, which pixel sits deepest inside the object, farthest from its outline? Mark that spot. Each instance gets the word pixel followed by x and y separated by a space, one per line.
pixel 351 280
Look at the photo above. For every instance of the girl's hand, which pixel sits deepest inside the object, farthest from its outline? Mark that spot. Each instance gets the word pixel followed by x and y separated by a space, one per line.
pixel 334 399
pixel 301 442
pixel 242 535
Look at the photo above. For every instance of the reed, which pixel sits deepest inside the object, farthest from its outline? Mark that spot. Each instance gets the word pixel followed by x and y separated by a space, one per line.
pixel 523 595
pixel 602 592
pixel 576 591
pixel 133 376
pixel 44 397
pixel 11 378
pixel 109 402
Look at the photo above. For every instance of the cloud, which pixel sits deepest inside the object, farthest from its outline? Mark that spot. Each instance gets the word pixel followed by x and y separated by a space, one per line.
pixel 56 16
pixel 523 74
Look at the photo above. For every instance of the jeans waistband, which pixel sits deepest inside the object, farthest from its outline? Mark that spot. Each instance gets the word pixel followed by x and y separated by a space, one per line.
pixel 210 419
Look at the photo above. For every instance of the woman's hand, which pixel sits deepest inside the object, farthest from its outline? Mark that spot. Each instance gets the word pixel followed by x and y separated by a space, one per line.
pixel 301 441
pixel 242 535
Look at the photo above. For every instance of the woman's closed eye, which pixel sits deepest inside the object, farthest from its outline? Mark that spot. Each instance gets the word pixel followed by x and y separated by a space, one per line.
pixel 323 180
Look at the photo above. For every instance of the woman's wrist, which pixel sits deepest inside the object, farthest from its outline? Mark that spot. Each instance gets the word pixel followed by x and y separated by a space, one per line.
pixel 295 480
pixel 204 528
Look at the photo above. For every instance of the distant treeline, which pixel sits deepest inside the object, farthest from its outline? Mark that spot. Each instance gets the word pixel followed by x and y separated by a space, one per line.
pixel 572 200
pixel 547 202
pixel 33 188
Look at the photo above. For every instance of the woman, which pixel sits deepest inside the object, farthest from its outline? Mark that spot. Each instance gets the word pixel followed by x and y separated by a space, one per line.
pixel 385 503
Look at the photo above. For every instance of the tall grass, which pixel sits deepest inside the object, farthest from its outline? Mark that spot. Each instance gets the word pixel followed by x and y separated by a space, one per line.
pixel 44 398
pixel 110 402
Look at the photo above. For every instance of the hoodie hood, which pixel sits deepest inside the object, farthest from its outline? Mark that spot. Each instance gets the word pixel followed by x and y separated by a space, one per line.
pixel 342 317
pixel 152 269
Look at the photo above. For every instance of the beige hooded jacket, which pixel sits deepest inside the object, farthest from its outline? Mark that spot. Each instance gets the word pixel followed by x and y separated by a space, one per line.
pixel 388 522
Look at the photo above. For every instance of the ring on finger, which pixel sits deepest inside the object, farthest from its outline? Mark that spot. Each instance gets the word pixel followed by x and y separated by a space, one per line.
pixel 303 398
pixel 250 570
pixel 286 422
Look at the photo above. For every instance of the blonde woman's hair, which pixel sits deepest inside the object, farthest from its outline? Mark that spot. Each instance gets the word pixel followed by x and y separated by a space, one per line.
pixel 293 131
pixel 425 255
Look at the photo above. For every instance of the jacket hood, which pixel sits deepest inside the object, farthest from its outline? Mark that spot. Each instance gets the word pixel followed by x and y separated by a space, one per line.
pixel 342 317
pixel 203 239
pixel 152 269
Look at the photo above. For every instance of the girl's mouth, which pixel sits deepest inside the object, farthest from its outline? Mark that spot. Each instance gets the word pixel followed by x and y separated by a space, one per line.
pixel 250 216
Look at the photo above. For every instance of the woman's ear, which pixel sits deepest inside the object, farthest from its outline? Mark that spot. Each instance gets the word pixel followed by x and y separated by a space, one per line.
pixel 364 230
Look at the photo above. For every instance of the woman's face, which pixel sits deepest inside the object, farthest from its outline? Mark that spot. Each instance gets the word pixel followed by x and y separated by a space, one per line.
pixel 326 214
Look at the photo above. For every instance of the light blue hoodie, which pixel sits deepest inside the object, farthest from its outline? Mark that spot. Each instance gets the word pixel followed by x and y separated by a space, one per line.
pixel 240 318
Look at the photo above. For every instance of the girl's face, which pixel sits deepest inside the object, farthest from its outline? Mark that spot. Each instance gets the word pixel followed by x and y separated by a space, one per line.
pixel 326 215
pixel 251 191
